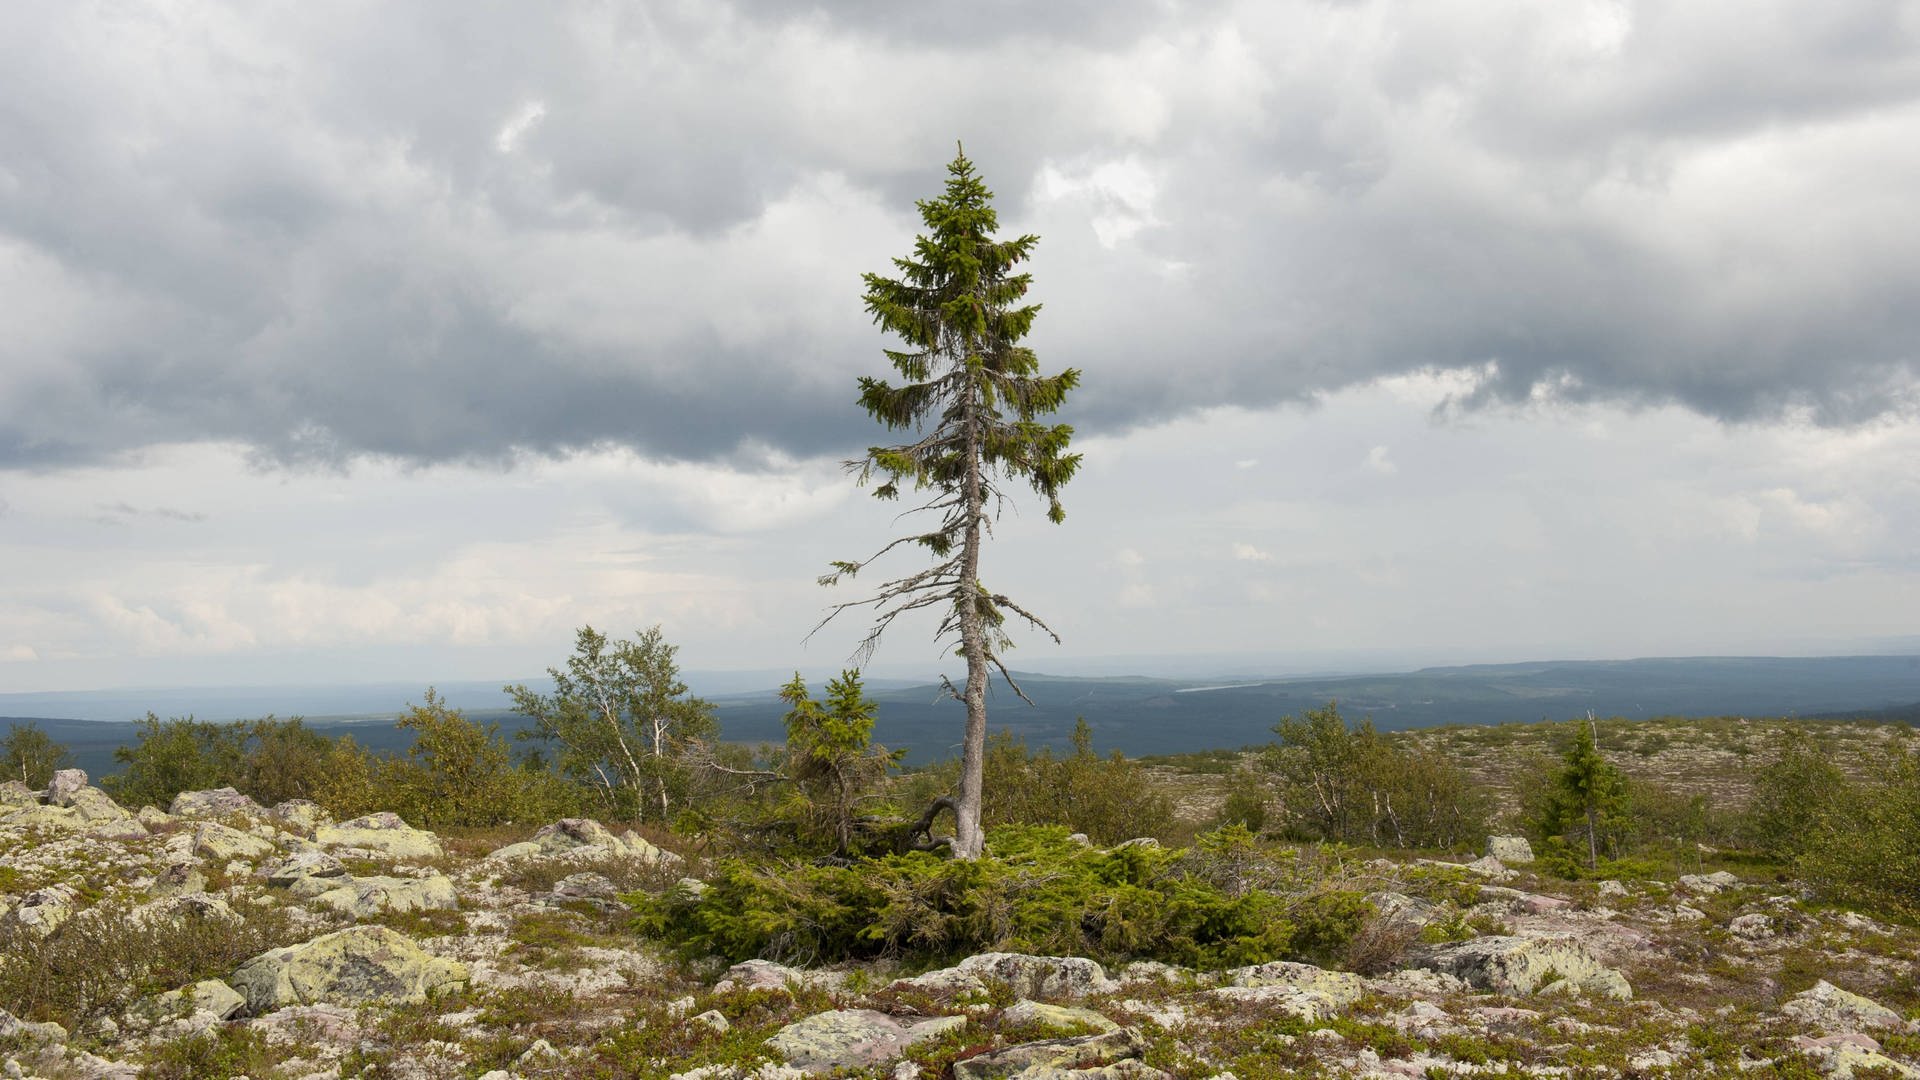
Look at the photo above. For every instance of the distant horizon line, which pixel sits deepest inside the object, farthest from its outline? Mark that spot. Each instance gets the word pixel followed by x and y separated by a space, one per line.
pixel 1177 667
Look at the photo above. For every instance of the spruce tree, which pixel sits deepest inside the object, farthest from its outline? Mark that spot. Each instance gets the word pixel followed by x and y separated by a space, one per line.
pixel 972 396
pixel 1591 791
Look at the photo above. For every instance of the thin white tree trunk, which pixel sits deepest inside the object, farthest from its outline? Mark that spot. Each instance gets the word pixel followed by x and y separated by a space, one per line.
pixel 970 840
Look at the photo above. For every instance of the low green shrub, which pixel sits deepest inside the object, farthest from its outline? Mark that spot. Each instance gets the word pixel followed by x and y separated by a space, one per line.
pixel 1036 891
pixel 103 959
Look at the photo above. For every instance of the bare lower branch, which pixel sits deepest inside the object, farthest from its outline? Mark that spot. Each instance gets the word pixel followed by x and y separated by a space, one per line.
pixel 994 659
pixel 1032 619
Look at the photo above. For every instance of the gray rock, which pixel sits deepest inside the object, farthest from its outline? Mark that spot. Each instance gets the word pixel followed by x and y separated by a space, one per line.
pixel 1829 1008
pixel 760 975
pixel 185 906
pixel 1077 1057
pixel 1399 909
pixel 1753 926
pixel 1510 849
pixel 1062 1017
pixel 383 833
pixel 1842 1057
pixel 17 793
pixel 216 802
pixel 1707 884
pixel 34 815
pixel 209 996
pixel 65 782
pixel 852 1039
pixel 348 967
pixel 1527 965
pixel 1301 990
pixel 222 843
pixel 577 836
pixel 26 1031
pixel 1028 976
pixel 305 863
pixel 585 885
pixel 41 911
pixel 179 879
pixel 363 898
pixel 1489 867
pixel 302 815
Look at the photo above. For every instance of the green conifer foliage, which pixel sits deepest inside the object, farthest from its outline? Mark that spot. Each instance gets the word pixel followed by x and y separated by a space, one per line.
pixel 974 397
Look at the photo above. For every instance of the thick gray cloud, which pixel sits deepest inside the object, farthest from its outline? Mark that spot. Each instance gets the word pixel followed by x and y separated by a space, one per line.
pixel 461 231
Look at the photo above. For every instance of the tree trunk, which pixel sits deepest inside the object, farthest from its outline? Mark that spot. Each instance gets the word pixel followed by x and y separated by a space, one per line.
pixel 970 840
pixel 1593 840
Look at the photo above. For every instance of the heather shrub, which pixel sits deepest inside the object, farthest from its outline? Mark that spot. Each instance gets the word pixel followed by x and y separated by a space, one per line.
pixel 1034 891
pixel 103 959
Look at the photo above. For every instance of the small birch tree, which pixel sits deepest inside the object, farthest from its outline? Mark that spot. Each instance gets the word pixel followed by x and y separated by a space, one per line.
pixel 622 718
pixel 973 396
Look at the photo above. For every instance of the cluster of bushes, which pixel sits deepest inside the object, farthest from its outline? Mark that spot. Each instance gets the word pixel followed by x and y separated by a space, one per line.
pixel 30 755
pixel 1855 838
pixel 1035 891
pixel 1109 798
pixel 457 772
pixel 1343 782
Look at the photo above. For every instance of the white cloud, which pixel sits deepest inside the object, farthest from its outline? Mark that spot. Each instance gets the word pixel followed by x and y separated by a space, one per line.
pixel 1249 553
pixel 517 126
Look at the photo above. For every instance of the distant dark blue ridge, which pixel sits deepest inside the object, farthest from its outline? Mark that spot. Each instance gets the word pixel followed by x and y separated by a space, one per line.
pixel 1141 715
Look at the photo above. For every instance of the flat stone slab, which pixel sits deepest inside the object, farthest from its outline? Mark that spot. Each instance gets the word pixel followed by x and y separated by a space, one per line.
pixel 1071 1057
pixel 1529 965
pixel 383 833
pixel 852 1039
pixel 347 967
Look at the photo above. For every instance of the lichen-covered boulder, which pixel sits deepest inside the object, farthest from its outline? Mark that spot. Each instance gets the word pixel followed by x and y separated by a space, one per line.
pixel 209 997
pixel 65 782
pixel 383 833
pixel 852 1039
pixel 1828 1008
pixel 1301 990
pixel 302 864
pixel 28 1033
pixel 178 879
pixel 1528 965
pixel 1707 884
pixel 1510 849
pixel 36 815
pixel 183 907
pixel 215 802
pixel 1088 1055
pixel 1844 1057
pixel 16 793
pixel 222 843
pixel 1023 1013
pixel 574 836
pixel 42 911
pixel 301 815
pixel 347 967
pixel 1027 976
pixel 364 898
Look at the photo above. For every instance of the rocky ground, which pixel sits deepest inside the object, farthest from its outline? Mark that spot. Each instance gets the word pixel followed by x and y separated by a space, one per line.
pixel 222 939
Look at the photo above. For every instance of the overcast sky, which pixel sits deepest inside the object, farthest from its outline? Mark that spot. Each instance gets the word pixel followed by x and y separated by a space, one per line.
pixel 395 341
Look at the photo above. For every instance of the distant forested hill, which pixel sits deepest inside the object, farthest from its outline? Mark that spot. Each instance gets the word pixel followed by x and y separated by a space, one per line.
pixel 1161 716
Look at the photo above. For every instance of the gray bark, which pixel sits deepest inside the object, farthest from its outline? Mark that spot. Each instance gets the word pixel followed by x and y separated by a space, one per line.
pixel 970 840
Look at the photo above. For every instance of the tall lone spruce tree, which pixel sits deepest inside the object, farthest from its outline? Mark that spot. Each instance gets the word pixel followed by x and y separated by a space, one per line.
pixel 971 393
